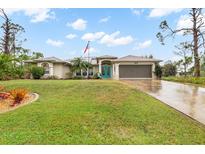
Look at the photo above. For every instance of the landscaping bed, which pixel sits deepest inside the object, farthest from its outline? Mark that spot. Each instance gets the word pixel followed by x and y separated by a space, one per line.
pixel 10 100
pixel 193 80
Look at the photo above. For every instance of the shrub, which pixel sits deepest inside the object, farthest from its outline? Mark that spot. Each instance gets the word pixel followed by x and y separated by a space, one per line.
pixel 18 95
pixel 158 71
pixel 97 76
pixel 169 69
pixel 77 78
pixel 37 72
pixel 6 65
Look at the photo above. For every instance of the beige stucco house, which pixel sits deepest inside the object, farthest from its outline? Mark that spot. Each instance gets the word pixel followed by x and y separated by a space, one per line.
pixel 128 67
pixel 53 66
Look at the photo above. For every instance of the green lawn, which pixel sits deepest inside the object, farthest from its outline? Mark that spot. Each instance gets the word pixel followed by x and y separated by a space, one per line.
pixel 94 112
pixel 193 80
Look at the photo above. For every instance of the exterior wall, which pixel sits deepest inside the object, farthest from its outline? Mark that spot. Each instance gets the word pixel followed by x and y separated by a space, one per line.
pixel 116 68
pixel 61 70
pixel 57 69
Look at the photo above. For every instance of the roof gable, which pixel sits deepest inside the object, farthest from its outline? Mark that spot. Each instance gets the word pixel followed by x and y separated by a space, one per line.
pixel 106 57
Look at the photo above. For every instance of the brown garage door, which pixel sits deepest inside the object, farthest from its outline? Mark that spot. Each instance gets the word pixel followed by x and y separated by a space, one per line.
pixel 135 71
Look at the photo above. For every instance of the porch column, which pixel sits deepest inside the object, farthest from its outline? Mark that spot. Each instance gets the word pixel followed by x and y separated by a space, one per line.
pixel 153 70
pixel 100 68
pixel 117 71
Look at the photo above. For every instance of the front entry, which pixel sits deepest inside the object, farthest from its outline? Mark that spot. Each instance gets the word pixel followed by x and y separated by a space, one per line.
pixel 106 71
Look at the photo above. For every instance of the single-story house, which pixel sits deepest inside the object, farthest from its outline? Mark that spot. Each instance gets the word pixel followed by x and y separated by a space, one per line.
pixel 128 67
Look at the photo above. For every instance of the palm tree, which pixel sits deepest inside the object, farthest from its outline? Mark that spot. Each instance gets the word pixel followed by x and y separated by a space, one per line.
pixel 79 64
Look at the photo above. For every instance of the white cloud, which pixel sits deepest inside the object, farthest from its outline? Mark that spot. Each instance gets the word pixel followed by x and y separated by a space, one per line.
pixel 71 36
pixel 137 12
pixel 79 24
pixel 143 45
pixel 114 40
pixel 55 43
pixel 104 19
pixel 37 15
pixel 92 36
pixel 163 12
pixel 185 22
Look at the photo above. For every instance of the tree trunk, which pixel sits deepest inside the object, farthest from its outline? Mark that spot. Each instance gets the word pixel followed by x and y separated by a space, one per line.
pixel 6 32
pixel 195 50
pixel 6 38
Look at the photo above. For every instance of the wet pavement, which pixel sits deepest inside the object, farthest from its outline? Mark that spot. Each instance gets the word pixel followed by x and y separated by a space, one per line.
pixel 188 99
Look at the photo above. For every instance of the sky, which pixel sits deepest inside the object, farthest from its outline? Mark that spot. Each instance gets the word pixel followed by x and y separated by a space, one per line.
pixel 64 33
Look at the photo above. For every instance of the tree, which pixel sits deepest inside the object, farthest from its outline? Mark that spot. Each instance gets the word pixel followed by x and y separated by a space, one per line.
pixel 6 67
pixel 79 64
pixel 8 42
pixel 169 69
pixel 150 56
pixel 196 31
pixel 203 65
pixel 37 55
pixel 184 51
pixel 158 71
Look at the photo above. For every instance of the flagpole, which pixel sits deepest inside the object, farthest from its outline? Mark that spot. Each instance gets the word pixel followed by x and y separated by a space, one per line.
pixel 88 60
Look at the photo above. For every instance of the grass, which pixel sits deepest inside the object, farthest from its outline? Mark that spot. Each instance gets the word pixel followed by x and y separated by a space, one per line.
pixel 193 80
pixel 94 112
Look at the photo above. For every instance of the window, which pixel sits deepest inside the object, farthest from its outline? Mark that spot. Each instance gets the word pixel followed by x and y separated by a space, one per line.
pixel 46 68
pixel 84 73
pixel 78 73
pixel 90 72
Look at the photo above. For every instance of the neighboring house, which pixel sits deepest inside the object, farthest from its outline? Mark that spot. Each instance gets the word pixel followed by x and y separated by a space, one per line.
pixel 128 67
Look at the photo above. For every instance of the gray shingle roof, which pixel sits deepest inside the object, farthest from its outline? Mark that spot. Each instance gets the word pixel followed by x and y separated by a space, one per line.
pixel 54 59
pixel 136 58
pixel 47 59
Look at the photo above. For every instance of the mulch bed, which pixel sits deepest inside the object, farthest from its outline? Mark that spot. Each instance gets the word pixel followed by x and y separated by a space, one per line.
pixel 6 104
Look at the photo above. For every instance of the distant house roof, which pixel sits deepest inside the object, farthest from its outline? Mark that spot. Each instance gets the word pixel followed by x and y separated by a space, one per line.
pixel 106 57
pixel 47 59
pixel 136 58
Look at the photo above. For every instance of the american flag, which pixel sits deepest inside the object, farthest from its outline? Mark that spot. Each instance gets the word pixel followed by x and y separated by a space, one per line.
pixel 87 47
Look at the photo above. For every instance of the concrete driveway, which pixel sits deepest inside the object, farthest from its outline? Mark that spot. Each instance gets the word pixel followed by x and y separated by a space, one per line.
pixel 188 99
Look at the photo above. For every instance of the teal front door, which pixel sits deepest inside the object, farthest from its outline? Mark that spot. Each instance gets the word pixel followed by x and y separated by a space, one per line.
pixel 106 71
